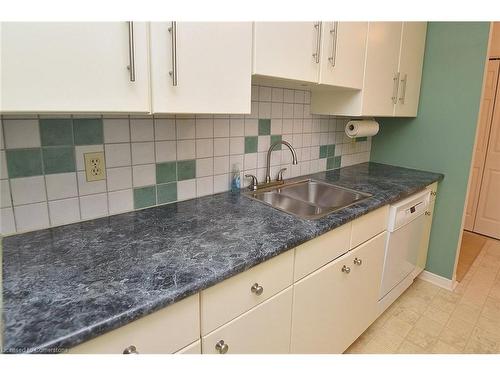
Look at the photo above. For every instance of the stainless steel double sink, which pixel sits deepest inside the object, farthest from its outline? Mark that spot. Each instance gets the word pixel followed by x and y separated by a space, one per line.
pixel 308 199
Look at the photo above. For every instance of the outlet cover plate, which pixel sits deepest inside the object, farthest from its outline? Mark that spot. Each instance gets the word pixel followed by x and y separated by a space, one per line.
pixel 95 168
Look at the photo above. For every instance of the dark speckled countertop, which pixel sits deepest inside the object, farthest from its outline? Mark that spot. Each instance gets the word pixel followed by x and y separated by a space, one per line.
pixel 66 285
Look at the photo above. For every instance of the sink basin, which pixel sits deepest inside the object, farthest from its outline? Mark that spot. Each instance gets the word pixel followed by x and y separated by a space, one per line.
pixel 309 199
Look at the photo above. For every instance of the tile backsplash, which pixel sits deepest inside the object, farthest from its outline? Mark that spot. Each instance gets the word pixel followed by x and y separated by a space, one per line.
pixel 154 160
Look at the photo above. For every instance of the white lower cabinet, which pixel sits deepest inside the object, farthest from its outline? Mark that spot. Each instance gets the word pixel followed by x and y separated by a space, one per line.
pixel 194 348
pixel 335 304
pixel 265 329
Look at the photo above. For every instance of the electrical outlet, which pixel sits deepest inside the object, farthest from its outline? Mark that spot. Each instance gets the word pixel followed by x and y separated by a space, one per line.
pixel 95 169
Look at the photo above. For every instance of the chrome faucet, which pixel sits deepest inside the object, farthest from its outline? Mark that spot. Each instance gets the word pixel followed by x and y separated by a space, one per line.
pixel 271 148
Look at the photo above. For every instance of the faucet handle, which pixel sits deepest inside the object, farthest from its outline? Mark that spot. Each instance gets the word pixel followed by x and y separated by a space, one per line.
pixel 253 185
pixel 280 174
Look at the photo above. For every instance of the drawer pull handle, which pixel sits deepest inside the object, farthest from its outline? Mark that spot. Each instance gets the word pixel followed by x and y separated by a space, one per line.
pixel 428 213
pixel 346 269
pixel 130 350
pixel 257 289
pixel 358 261
pixel 434 193
pixel 222 347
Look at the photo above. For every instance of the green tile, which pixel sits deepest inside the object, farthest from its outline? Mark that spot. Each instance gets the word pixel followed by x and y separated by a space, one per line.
pixel 323 151
pixel 166 172
pixel 24 162
pixel 274 139
pixel 361 139
pixel 331 151
pixel 167 193
pixel 58 159
pixel 88 131
pixel 330 163
pixel 56 132
pixel 336 163
pixel 144 197
pixel 186 170
pixel 264 127
pixel 250 144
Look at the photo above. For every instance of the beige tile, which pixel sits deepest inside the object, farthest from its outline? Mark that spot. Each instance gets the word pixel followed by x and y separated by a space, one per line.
pixel 444 303
pixel 421 338
pixel 429 326
pixel 482 341
pixel 437 315
pixel 397 326
pixel 388 339
pixel 449 296
pixel 408 347
pixel 358 346
pixel 466 312
pixel 478 347
pixel 488 325
pixel 407 315
pixel 491 310
pixel 416 304
pixel 376 347
pixel 474 296
pixel 441 347
pixel 495 290
pixel 456 333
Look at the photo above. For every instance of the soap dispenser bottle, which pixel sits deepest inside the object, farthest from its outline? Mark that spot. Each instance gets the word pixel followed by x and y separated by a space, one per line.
pixel 235 180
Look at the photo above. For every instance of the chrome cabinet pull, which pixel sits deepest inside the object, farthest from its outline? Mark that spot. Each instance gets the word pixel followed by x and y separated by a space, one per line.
pixel 434 193
pixel 317 26
pixel 395 87
pixel 130 350
pixel 173 37
pixel 334 34
pixel 358 261
pixel 346 269
pixel 221 347
pixel 131 51
pixel 257 289
pixel 427 213
pixel 404 80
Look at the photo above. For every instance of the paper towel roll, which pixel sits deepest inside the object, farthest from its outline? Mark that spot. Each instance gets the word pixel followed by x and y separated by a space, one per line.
pixel 361 128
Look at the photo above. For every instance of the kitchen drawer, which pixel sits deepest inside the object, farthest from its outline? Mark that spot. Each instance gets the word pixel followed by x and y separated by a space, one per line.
pixel 194 348
pixel 265 329
pixel 165 331
pixel 369 225
pixel 234 296
pixel 315 253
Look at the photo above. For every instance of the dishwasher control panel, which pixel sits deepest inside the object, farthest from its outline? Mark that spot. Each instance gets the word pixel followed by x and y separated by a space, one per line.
pixel 408 210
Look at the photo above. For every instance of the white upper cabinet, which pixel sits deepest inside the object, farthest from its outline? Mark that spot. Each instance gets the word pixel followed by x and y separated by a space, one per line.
pixel 287 50
pixel 343 54
pixel 201 67
pixel 74 67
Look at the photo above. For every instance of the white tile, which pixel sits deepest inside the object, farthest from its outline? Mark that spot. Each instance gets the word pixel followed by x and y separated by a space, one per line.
pixel 120 201
pixel 116 130
pixel 204 186
pixel 221 127
pixel 144 175
pixel 307 97
pixel 204 148
pixel 221 183
pixel 204 128
pixel 277 94
pixel 7 224
pixel 299 96
pixel 306 140
pixel 237 145
pixel 5 200
pixel 119 178
pixel 186 189
pixel 307 126
pixel 255 92
pixel 61 185
pixel 298 111
pixel 254 110
pixel 143 153
pixel 3 166
pixel 297 126
pixel 264 141
pixel 265 94
pixel 64 211
pixel 31 216
pixel 221 164
pixel 204 167
pixel 276 110
pixel 221 146
pixel 2 145
pixel 287 126
pixel 141 130
pixel 287 110
pixel 92 206
pixel 186 128
pixel 117 155
pixel 264 110
pixel 93 187
pixel 237 128
pixel 251 127
pixel 261 159
pixel 276 126
pixel 164 129
pixel 165 151
pixel 80 150
pixel 276 157
pixel 250 161
pixel 28 190
pixel 288 96
pixel 186 149
pixel 21 133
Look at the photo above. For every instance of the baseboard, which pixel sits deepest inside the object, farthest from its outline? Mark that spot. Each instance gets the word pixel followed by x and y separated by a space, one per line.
pixel 440 281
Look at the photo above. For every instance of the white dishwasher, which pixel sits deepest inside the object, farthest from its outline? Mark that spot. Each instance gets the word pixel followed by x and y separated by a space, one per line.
pixel 405 229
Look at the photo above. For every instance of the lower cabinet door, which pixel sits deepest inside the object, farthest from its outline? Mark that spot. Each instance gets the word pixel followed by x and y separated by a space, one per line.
pixel 265 329
pixel 194 348
pixel 335 304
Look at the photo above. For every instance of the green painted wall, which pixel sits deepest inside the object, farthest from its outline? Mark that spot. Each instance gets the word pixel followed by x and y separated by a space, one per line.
pixel 441 137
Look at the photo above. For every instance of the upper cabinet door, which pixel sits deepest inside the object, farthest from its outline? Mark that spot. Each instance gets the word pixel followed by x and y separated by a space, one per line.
pixel 381 70
pixel 287 50
pixel 411 60
pixel 74 67
pixel 201 67
pixel 343 47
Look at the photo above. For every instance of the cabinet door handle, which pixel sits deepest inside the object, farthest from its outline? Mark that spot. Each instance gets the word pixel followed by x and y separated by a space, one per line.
pixel 395 87
pixel 221 347
pixel 130 350
pixel 334 34
pixel 434 193
pixel 346 269
pixel 173 38
pixel 427 213
pixel 257 289
pixel 358 261
pixel 131 51
pixel 404 80
pixel 317 26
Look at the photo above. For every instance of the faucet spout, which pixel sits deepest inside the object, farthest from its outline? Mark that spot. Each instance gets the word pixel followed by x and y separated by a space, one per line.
pixel 271 148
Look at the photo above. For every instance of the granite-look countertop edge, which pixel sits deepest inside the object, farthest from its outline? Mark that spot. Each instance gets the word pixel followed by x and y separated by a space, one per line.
pixel 221 227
